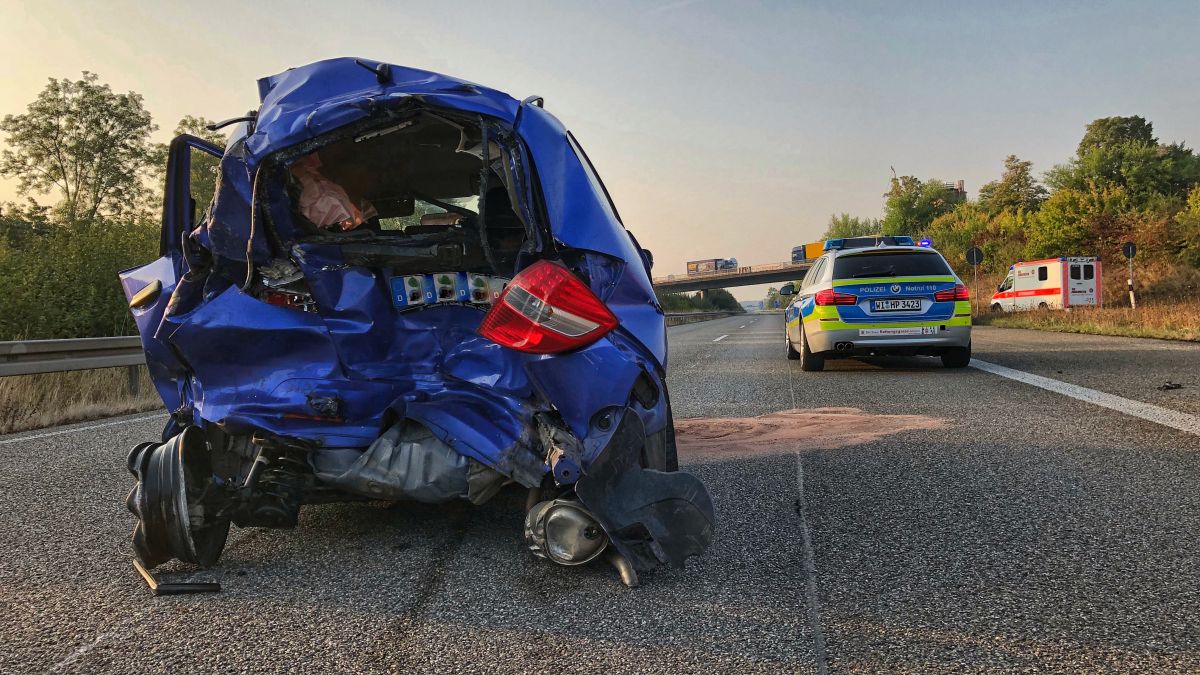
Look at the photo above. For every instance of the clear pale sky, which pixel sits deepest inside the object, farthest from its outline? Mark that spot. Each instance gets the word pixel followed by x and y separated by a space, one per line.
pixel 721 129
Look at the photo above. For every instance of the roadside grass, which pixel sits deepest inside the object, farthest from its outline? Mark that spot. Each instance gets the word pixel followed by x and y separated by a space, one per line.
pixel 38 401
pixel 1168 320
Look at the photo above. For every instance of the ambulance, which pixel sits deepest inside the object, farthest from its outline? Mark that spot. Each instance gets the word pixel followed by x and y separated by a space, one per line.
pixel 1054 283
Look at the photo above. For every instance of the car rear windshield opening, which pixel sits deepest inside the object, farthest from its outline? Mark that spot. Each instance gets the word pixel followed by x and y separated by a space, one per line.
pixel 418 184
pixel 889 264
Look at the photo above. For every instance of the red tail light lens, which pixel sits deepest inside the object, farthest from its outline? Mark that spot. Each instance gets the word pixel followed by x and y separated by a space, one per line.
pixel 831 297
pixel 959 292
pixel 300 301
pixel 545 310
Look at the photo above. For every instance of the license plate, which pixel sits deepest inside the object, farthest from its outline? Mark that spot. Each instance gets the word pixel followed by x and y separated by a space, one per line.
pixel 916 330
pixel 901 305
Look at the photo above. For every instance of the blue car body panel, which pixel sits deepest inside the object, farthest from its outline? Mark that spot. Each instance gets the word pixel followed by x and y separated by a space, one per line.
pixel 218 355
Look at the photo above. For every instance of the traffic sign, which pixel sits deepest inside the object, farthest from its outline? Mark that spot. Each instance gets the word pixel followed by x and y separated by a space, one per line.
pixel 1129 249
pixel 974 255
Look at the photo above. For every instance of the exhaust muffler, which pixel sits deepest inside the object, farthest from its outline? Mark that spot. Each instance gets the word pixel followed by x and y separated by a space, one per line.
pixel 564 532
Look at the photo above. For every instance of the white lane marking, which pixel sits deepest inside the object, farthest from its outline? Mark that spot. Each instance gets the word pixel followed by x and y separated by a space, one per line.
pixel 742 326
pixel 721 338
pixel 1146 411
pixel 48 434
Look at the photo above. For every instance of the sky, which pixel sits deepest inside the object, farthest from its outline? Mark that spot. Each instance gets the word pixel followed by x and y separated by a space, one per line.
pixel 722 129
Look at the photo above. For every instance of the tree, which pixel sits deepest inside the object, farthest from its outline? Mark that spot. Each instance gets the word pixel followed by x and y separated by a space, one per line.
pixel 1080 222
pixel 22 223
pixel 205 167
pixel 1187 233
pixel 845 225
pixel 722 300
pixel 911 204
pixel 83 140
pixel 1017 189
pixel 1123 152
pixel 1113 132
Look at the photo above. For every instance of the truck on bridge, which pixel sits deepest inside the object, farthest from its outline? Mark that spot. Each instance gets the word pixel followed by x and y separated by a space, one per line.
pixel 711 265
pixel 808 252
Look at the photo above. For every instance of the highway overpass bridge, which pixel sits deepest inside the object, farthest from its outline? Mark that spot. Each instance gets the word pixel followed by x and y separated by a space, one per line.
pixel 742 276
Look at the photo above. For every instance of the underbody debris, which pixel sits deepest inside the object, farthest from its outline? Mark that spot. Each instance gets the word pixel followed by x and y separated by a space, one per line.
pixel 407 287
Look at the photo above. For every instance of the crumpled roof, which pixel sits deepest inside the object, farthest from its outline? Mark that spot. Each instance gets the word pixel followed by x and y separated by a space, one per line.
pixel 304 102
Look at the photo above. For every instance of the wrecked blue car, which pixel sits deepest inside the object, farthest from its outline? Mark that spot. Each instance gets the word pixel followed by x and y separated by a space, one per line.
pixel 407 287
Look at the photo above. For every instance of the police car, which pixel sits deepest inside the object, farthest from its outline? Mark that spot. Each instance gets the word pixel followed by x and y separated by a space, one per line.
pixel 877 296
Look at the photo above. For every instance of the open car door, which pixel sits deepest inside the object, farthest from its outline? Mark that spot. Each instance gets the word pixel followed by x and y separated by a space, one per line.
pixel 191 171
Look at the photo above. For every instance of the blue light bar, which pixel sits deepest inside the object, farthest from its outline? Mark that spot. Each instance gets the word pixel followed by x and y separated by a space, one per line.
pixel 868 242
pixel 926 243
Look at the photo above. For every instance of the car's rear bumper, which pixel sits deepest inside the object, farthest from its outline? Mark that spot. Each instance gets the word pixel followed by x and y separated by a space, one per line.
pixel 867 341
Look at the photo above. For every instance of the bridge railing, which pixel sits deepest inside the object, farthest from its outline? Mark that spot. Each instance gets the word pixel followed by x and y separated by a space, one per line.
pixel 750 269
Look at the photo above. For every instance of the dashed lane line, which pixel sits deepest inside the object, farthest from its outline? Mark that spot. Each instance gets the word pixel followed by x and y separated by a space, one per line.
pixel 721 338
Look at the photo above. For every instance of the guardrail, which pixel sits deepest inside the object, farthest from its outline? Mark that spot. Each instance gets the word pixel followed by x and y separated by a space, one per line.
pixel 30 357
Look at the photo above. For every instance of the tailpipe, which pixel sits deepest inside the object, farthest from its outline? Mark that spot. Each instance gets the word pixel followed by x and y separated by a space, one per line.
pixel 843 346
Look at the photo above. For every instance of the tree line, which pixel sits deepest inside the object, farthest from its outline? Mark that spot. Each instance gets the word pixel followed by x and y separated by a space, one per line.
pixel 1122 184
pixel 91 181
pixel 712 300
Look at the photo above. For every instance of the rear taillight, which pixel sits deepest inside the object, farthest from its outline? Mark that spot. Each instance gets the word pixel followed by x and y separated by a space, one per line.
pixel 959 292
pixel 545 309
pixel 300 301
pixel 831 297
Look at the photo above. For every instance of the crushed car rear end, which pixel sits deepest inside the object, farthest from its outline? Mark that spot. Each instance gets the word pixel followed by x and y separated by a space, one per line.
pixel 408 287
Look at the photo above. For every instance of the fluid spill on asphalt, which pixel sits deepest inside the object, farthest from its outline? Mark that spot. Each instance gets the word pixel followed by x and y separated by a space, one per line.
pixel 791 430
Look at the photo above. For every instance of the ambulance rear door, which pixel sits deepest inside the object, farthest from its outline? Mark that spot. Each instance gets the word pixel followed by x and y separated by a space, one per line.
pixel 1083 277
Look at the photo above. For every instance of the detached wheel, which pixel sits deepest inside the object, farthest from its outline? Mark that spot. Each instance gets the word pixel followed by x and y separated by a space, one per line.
pixel 174 502
pixel 957 357
pixel 809 362
pixel 792 354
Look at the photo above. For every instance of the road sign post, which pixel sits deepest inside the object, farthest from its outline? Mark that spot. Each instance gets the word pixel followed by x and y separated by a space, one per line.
pixel 975 257
pixel 1130 250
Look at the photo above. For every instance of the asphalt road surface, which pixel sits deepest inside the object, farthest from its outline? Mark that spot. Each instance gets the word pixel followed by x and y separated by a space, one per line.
pixel 1015 528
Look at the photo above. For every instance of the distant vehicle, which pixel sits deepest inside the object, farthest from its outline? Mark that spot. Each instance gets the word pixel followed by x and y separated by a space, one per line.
pixel 1054 283
pixel 876 299
pixel 711 265
pixel 808 252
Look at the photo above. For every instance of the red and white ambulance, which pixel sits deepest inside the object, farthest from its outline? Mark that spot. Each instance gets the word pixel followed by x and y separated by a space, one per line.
pixel 1054 283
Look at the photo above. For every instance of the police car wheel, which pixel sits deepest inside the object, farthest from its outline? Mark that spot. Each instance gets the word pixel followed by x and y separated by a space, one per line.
pixel 809 361
pixel 957 357
pixel 792 354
